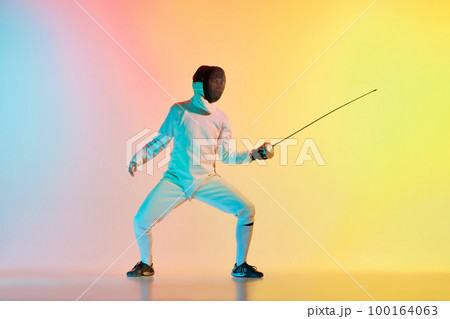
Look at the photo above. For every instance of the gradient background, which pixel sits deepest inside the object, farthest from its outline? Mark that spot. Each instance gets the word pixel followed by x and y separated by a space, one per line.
pixel 70 98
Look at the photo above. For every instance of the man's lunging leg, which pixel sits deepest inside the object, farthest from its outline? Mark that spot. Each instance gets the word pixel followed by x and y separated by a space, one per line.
pixel 161 200
pixel 243 238
pixel 216 192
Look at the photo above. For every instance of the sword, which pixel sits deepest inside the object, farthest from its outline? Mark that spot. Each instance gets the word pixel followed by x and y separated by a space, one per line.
pixel 268 148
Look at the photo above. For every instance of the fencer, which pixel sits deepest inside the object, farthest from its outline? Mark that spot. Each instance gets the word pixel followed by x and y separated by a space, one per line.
pixel 191 172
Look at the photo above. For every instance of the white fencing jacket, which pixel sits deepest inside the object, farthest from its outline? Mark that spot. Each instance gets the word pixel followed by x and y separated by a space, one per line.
pixel 200 131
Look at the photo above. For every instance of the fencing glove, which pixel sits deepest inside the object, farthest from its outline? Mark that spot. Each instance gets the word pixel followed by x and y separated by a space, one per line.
pixel 263 152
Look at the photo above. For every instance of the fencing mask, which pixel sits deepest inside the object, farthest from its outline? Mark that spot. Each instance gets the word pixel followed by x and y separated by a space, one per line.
pixel 213 78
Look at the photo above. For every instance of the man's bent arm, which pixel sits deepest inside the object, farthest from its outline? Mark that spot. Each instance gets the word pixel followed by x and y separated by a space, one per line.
pixel 152 149
pixel 160 142
pixel 226 152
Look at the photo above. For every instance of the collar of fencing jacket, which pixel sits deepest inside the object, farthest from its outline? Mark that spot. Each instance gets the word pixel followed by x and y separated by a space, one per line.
pixel 198 103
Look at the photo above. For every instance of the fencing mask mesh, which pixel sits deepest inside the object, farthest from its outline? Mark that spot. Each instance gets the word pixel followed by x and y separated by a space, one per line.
pixel 213 78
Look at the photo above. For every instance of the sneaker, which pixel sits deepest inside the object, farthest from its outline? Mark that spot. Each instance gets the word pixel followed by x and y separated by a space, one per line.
pixel 141 269
pixel 246 271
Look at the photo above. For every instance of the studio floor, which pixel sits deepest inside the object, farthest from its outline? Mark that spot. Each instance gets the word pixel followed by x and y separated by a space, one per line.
pixel 275 286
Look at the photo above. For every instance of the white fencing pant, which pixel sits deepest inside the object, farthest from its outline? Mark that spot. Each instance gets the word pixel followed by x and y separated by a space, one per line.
pixel 166 196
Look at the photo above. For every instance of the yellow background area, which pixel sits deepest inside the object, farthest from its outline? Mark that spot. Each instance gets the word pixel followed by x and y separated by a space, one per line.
pixel 381 202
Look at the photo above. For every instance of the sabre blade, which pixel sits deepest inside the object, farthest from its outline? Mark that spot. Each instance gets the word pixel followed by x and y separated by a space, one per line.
pixel 324 116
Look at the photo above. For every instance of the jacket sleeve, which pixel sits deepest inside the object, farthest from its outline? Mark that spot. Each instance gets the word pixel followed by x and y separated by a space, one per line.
pixel 159 142
pixel 226 148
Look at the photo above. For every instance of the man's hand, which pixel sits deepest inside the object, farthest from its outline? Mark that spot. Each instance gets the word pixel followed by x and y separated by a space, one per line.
pixel 132 168
pixel 263 152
